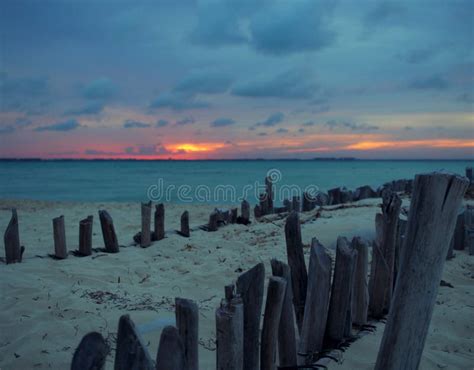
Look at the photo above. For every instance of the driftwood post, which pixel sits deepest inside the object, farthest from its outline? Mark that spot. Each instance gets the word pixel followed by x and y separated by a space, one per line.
pixel 296 204
pixel 250 286
pixel 286 329
pixel 317 302
pixel 60 249
pixel 233 215
pixel 212 225
pixel 185 224
pixel 131 352
pixel 270 194
pixel 159 222
pixel 145 239
pixel 230 332
pixel 108 232
pixel 271 321
pixel 91 353
pixel 340 302
pixel 85 236
pixel 262 207
pixel 431 221
pixel 469 229
pixel 360 292
pixel 170 354
pixel 187 322
pixel 299 275
pixel 458 235
pixel 11 238
pixel 245 212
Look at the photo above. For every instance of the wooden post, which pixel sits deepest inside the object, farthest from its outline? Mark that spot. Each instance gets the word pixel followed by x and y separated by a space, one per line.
pixel 185 224
pixel 60 249
pixel 145 239
pixel 431 221
pixel 286 329
pixel 322 199
pixel 296 205
pixel 364 192
pixel 334 196
pixel 131 352
pixel 271 321
pixel 233 215
pixel 317 302
pixel 187 322
pixel 257 211
pixel 346 195
pixel 360 292
pixel 170 354
pixel 250 286
pixel 108 232
pixel 212 225
pixel 469 174
pixel 230 332
pixel 263 204
pixel 458 235
pixel 385 261
pixel 85 236
pixel 245 212
pixel 11 238
pixel 299 275
pixel 288 205
pixel 91 353
pixel 469 229
pixel 340 303
pixel 308 202
pixel 159 222
pixel 270 195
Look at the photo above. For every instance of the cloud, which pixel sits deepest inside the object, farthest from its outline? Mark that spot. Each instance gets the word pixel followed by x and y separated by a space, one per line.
pixel 290 27
pixel 22 122
pixel 281 130
pixel 7 130
pixel 417 56
pixel 262 134
pixel 206 82
pixel 178 101
pixel 93 108
pixel 185 121
pixel 161 123
pixel 222 122
pixel 69 125
pixel 335 125
pixel 430 83
pixel 102 89
pixel 272 120
pixel 292 84
pixel 135 124
pixel 467 98
pixel 23 94
pixel 155 149
pixel 383 12
pixel 99 152
pixel 309 123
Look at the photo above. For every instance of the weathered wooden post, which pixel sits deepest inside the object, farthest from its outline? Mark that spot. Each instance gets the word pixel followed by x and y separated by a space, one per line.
pixel 309 202
pixel 91 353
pixel 245 212
pixel 131 352
pixel 458 235
pixel 257 211
pixel 469 174
pixel 299 275
pixel 108 232
pixel 340 302
pixel 360 292
pixel 233 215
pixel 250 286
pixel 296 204
pixel 187 322
pixel 431 221
pixel 288 205
pixel 212 225
pixel 317 302
pixel 185 224
pixel 270 194
pixel 322 199
pixel 385 261
pixel 286 329
pixel 170 354
pixel 85 236
pixel 271 321
pixel 334 196
pixel 263 205
pixel 469 229
pixel 11 238
pixel 145 239
pixel 159 222
pixel 60 249
pixel 230 332
pixel 364 192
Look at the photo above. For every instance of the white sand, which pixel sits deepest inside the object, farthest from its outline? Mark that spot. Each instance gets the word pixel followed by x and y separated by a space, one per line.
pixel 47 305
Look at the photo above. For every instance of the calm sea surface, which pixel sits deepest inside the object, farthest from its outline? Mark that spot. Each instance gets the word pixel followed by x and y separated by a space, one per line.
pixel 196 180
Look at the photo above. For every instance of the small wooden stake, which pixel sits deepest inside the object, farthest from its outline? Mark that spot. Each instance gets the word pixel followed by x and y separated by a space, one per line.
pixel 270 194
pixel 296 205
pixel 185 224
pixel 233 215
pixel 435 202
pixel 131 352
pixel 317 302
pixel 458 235
pixel 108 232
pixel 250 286
pixel 469 229
pixel 271 321
pixel 85 236
pixel 286 329
pixel 145 239
pixel 159 222
pixel 11 238
pixel 360 292
pixel 60 250
pixel 245 212
pixel 91 353
pixel 187 322
pixel 212 225
pixel 299 275
pixel 170 354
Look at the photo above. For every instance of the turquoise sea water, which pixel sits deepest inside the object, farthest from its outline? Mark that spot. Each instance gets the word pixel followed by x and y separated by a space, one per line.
pixel 137 180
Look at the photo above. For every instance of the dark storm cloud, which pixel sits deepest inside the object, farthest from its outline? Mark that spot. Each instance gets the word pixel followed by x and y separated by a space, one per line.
pixel 222 122
pixel 69 125
pixel 135 124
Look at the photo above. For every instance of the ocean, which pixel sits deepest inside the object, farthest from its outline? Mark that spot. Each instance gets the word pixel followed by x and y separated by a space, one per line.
pixel 198 181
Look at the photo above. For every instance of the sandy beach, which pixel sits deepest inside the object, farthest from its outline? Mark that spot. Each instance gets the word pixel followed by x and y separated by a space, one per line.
pixel 48 305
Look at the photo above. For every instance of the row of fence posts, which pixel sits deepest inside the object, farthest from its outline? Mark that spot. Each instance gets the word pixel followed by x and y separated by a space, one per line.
pixel 325 310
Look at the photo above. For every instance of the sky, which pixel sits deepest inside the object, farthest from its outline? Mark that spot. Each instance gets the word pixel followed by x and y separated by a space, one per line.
pixel 237 79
